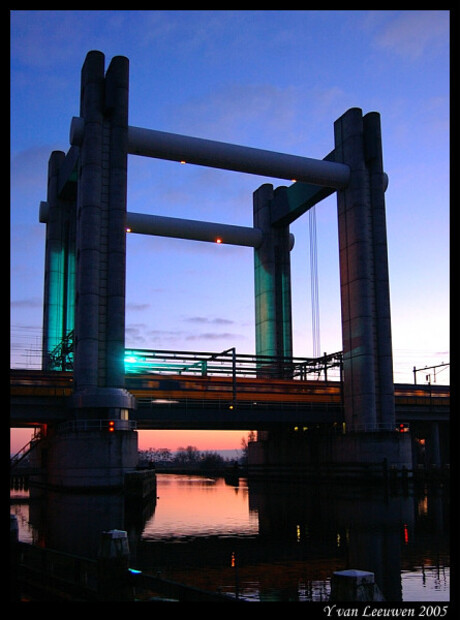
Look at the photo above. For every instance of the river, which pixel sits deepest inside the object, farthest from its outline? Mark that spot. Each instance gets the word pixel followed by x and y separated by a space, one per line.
pixel 262 540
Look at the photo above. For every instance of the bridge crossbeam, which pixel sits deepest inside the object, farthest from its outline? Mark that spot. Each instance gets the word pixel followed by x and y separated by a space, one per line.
pixel 187 149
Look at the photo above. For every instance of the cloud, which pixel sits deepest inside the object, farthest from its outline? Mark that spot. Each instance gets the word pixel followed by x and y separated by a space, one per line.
pixel 213 336
pixel 236 110
pixel 210 335
pixel 29 168
pixel 42 37
pixel 412 33
pixel 204 320
pixel 33 302
pixel 137 307
pixel 135 335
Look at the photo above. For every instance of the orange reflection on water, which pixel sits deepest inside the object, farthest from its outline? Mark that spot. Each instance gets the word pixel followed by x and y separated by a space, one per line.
pixel 190 506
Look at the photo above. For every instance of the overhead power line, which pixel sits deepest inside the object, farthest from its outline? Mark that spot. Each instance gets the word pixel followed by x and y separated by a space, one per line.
pixel 416 370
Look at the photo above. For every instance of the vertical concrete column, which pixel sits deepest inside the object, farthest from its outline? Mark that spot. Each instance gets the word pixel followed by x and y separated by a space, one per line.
pixel 434 455
pixel 116 104
pixel 364 279
pixel 89 222
pixel 86 455
pixel 101 240
pixel 59 285
pixel 356 276
pixel 272 280
pixel 384 351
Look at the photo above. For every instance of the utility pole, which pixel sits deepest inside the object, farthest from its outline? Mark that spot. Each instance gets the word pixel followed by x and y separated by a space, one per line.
pixel 416 370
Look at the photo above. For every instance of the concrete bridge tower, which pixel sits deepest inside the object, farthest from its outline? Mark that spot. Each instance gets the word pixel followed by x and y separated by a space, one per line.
pixel 369 441
pixel 85 278
pixel 364 283
pixel 98 445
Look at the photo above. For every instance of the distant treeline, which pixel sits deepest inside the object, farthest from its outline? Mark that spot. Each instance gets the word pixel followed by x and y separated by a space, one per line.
pixel 188 458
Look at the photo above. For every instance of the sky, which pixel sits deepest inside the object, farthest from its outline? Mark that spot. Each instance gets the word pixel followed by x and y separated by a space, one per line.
pixel 275 80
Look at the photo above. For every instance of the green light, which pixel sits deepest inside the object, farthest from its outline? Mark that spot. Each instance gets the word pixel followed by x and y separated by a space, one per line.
pixel 135 363
pixel 132 363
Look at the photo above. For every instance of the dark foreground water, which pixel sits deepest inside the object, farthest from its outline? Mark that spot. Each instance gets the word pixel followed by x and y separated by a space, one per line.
pixel 263 541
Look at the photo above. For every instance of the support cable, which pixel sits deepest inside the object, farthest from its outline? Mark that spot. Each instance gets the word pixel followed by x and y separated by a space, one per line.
pixel 314 284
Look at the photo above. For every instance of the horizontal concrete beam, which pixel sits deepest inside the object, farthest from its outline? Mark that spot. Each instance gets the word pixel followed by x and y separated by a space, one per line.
pixel 175 147
pixel 179 228
pixel 193 229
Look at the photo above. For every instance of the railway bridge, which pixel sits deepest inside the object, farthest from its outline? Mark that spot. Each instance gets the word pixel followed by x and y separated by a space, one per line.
pixel 221 391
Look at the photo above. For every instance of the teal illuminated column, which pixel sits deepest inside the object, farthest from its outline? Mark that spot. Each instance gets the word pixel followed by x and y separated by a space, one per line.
pixel 59 285
pixel 364 284
pixel 272 281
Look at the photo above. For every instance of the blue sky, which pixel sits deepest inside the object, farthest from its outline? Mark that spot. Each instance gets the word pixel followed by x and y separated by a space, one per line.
pixel 270 79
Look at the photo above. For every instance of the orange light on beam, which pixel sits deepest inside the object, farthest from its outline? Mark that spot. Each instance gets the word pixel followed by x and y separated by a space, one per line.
pixel 218 240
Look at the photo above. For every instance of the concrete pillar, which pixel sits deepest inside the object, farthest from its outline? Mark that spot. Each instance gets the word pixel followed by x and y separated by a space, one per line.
pixel 116 101
pixel 434 445
pixel 272 281
pixel 90 206
pixel 366 330
pixel 86 453
pixel 101 241
pixel 384 351
pixel 59 285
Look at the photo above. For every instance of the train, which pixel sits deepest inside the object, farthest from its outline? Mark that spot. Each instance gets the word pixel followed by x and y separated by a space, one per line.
pixel 163 388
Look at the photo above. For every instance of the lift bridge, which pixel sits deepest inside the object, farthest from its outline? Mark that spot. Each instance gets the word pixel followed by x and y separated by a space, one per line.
pixel 87 220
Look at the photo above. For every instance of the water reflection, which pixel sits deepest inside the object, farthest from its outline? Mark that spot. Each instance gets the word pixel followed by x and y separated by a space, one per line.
pixel 351 527
pixel 262 540
pixel 193 506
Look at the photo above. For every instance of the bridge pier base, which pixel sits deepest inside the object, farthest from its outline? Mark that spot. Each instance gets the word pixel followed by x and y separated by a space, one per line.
pixel 316 455
pixel 79 458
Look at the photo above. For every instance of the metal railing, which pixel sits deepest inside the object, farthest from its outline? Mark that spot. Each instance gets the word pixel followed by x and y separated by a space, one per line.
pixel 25 450
pixel 228 363
pixel 61 357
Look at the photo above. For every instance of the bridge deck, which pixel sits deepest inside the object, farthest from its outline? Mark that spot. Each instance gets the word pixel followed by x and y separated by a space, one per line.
pixel 217 402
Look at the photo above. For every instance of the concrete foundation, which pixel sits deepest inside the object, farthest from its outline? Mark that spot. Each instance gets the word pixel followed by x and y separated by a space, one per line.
pixel 90 460
pixel 371 456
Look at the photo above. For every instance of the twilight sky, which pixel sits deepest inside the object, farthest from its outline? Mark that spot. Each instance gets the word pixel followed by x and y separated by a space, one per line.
pixel 275 80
